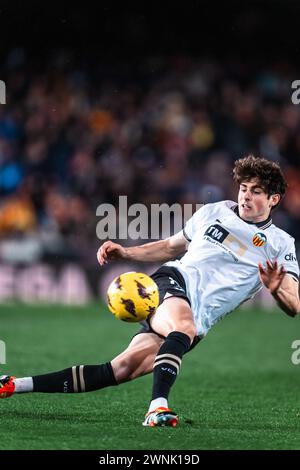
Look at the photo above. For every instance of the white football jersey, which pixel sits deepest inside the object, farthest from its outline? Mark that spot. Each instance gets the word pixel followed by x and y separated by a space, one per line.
pixel 220 267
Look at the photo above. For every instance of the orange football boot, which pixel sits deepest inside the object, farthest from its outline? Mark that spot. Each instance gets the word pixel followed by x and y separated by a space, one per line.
pixel 7 386
pixel 161 417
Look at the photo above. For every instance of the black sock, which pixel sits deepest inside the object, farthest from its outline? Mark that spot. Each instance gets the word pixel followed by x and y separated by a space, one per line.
pixel 167 363
pixel 75 379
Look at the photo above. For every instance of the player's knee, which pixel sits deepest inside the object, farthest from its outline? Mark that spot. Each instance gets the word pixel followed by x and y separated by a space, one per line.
pixel 189 329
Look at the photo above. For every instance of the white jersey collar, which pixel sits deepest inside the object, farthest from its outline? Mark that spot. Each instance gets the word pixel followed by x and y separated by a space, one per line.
pixel 262 225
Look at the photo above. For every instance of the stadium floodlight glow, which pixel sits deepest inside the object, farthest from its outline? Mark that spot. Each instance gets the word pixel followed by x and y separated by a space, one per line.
pixel 2 92
pixel 2 352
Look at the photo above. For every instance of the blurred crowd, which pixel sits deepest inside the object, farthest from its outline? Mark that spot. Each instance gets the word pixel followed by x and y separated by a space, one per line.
pixel 76 134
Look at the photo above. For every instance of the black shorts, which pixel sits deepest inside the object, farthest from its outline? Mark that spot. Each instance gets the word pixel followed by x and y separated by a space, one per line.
pixel 169 281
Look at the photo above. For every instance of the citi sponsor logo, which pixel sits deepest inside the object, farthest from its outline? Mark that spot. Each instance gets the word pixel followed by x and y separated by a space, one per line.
pixel 290 257
pixel 259 239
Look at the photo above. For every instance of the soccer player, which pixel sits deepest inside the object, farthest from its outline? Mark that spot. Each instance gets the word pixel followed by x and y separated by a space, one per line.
pixel 230 250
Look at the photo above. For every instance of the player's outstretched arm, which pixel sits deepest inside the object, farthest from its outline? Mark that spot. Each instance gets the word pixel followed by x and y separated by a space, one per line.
pixel 160 251
pixel 282 286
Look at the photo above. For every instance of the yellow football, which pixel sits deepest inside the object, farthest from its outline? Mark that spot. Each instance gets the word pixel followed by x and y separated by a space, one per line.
pixel 132 297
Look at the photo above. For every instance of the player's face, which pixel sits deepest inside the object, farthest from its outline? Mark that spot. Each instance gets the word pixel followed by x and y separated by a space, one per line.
pixel 254 203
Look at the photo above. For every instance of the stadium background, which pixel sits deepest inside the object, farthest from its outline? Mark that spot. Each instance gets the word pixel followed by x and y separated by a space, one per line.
pixel 155 104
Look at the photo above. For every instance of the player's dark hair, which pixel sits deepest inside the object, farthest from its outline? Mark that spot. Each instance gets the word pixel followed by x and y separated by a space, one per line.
pixel 268 174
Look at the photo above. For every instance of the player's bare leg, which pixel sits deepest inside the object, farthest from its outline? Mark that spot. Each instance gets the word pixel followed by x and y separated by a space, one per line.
pixel 138 358
pixel 174 320
pixel 135 361
pixel 174 314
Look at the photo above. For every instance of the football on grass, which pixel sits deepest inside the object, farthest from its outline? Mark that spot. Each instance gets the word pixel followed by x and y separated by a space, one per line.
pixel 132 297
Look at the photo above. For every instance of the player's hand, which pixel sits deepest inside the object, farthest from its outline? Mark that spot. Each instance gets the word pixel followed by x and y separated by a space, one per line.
pixel 110 251
pixel 272 276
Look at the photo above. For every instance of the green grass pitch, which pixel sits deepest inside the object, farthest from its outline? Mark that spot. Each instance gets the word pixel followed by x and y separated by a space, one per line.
pixel 237 390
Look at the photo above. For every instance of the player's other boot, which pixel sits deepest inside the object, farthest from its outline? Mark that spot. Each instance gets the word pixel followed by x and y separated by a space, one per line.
pixel 7 386
pixel 161 417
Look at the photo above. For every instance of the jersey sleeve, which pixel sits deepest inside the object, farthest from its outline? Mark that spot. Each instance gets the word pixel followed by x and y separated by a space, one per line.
pixel 288 259
pixel 194 223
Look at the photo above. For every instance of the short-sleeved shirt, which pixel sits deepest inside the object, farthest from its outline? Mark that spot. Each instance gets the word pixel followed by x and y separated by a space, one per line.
pixel 220 267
